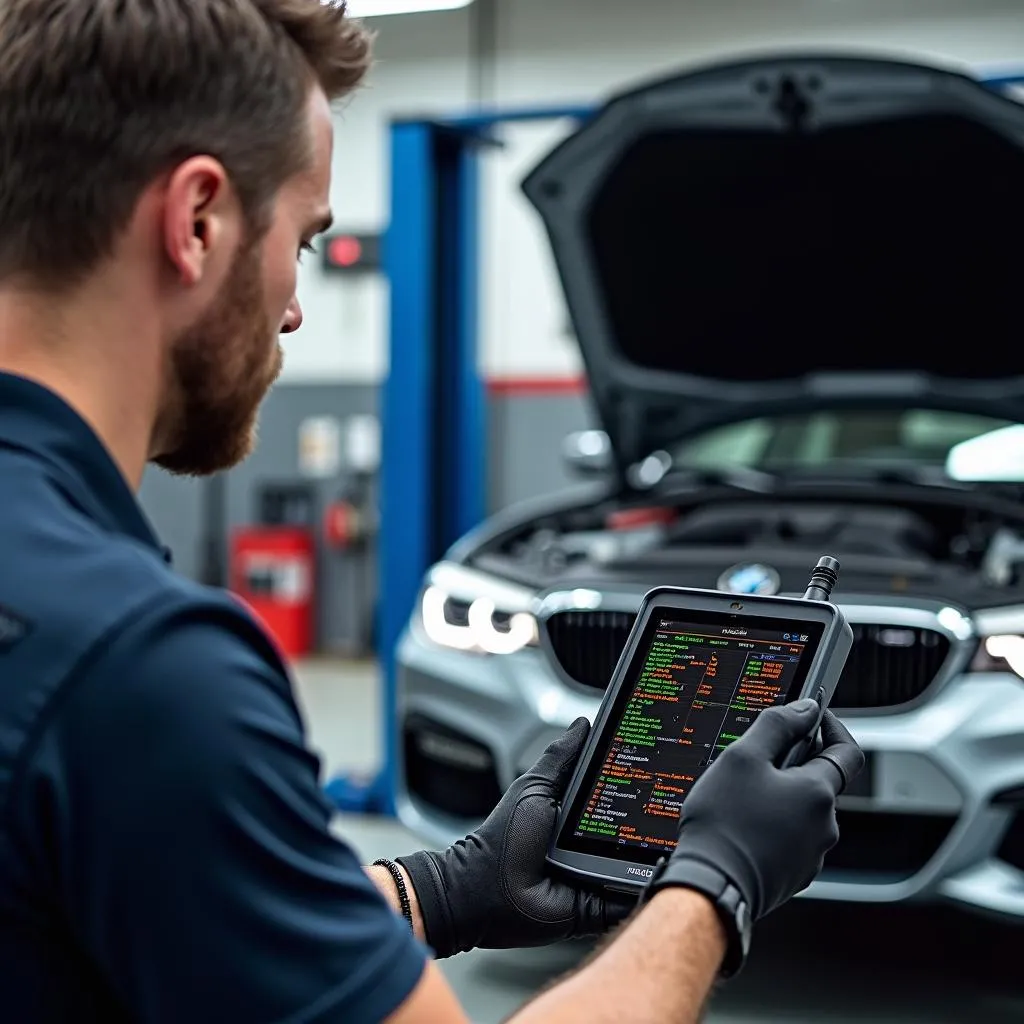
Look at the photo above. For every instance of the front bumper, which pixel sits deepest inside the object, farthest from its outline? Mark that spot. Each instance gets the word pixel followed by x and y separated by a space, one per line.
pixel 938 818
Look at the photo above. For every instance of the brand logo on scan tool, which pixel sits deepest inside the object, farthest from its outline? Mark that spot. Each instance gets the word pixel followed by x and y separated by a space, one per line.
pixel 753 578
pixel 642 872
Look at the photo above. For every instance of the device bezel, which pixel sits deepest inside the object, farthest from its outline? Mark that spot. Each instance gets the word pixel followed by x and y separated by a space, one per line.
pixel 630 875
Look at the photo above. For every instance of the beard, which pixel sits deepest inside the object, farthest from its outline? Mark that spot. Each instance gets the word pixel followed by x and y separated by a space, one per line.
pixel 220 370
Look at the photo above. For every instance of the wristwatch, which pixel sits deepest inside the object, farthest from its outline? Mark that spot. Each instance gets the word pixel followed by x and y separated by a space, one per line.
pixel 729 902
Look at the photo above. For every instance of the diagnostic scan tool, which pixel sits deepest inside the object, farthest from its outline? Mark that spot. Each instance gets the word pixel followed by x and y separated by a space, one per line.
pixel 698 668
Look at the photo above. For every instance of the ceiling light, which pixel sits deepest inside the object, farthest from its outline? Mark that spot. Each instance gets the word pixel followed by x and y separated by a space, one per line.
pixel 379 8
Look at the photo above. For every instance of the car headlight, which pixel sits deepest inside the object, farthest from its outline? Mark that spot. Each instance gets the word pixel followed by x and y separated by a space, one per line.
pixel 471 611
pixel 1000 654
pixel 1002 641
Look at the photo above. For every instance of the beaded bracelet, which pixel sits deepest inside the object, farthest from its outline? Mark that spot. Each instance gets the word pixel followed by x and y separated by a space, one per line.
pixel 403 891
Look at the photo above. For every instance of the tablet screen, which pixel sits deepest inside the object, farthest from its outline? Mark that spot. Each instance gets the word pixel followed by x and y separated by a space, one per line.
pixel 695 685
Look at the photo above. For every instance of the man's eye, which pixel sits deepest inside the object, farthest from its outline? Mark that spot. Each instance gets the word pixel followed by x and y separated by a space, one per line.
pixel 306 247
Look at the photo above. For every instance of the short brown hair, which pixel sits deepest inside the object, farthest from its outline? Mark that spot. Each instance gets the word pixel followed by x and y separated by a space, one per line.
pixel 99 97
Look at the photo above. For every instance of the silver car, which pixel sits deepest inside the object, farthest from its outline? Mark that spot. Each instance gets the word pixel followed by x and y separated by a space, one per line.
pixel 802 335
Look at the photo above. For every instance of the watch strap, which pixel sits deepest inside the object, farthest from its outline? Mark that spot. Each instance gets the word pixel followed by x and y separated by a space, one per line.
pixel 729 902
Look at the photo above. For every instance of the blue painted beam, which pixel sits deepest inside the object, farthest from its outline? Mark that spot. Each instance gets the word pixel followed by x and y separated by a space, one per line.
pixel 481 120
pixel 463 451
pixel 406 538
pixel 408 410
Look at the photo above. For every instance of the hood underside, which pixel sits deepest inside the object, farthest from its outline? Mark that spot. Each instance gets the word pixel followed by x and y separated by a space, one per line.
pixel 790 235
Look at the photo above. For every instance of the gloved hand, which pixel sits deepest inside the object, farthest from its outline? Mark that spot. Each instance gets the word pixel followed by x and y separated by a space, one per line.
pixel 491 890
pixel 768 829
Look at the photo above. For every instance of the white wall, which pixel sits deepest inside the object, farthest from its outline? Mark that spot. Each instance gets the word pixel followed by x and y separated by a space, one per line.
pixel 573 51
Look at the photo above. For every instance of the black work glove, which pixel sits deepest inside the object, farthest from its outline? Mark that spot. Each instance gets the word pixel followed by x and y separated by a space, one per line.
pixel 768 829
pixel 491 890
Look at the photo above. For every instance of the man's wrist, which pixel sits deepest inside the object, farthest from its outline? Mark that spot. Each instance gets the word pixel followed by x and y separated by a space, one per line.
pixel 381 877
pixel 696 907
pixel 425 871
pixel 718 889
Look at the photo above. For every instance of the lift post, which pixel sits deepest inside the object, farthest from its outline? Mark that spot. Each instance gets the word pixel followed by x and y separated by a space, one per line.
pixel 433 416
pixel 434 429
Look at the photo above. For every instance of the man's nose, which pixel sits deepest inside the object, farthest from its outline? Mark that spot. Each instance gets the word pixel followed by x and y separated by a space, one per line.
pixel 292 317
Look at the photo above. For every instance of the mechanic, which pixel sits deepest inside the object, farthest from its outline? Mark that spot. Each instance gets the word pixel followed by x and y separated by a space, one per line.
pixel 165 849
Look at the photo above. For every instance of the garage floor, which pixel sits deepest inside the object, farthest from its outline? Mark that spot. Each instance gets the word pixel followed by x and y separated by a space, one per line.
pixel 885 965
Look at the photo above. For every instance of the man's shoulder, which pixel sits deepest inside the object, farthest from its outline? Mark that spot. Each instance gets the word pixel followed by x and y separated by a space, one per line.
pixel 118 656
pixel 67 573
pixel 70 585
pixel 110 613
pixel 84 608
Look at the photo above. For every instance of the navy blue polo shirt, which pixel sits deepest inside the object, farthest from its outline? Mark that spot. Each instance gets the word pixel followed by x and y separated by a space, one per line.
pixel 165 851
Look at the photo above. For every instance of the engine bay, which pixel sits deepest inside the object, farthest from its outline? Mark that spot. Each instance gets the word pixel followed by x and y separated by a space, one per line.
pixel 964 545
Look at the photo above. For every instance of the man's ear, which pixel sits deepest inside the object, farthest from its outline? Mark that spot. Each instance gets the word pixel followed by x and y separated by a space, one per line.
pixel 200 209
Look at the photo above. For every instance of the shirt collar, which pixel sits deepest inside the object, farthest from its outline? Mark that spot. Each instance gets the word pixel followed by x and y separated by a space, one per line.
pixel 35 420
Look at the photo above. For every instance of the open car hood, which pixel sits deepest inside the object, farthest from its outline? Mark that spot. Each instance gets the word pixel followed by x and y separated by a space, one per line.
pixel 791 234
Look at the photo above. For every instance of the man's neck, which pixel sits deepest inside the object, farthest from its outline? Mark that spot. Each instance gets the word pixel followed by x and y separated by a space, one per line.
pixel 96 359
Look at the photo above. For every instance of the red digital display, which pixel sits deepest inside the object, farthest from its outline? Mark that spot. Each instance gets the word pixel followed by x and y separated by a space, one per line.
pixel 349 253
pixel 345 251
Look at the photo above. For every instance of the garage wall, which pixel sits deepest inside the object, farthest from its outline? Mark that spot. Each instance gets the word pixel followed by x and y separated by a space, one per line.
pixel 524 52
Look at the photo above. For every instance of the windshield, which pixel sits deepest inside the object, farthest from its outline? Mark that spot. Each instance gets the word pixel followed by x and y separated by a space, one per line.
pixel 840 439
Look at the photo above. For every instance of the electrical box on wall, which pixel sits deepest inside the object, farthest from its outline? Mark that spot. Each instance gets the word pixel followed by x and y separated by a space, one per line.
pixel 347 253
pixel 320 447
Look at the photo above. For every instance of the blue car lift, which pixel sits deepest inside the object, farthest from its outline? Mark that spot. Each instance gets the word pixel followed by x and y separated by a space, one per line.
pixel 434 426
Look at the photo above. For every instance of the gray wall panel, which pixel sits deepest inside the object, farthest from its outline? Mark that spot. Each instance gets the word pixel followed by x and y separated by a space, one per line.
pixel 525 444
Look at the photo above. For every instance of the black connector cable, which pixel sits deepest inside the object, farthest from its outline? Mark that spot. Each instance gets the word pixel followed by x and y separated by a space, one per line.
pixel 824 577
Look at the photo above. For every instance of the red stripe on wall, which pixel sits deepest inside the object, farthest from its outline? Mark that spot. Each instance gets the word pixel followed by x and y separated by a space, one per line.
pixel 520 386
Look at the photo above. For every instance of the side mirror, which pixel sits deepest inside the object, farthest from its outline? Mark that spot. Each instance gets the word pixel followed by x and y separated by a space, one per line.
pixel 588 453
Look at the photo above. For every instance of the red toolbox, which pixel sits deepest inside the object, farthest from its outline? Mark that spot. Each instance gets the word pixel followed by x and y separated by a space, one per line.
pixel 273 571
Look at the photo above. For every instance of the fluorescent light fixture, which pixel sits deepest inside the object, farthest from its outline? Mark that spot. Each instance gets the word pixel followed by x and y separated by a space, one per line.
pixel 380 8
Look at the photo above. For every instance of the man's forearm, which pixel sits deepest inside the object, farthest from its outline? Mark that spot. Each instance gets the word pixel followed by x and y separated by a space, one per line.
pixel 381 878
pixel 660 967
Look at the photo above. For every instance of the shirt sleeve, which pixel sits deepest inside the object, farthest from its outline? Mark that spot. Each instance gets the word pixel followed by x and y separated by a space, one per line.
pixel 180 815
